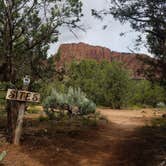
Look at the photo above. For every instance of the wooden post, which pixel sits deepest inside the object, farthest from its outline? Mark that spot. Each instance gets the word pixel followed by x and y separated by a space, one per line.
pixel 19 99
pixel 19 124
pixel 20 118
pixel 12 111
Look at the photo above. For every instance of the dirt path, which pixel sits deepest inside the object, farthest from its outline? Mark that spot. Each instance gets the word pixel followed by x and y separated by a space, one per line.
pixel 135 142
pixel 130 118
pixel 123 141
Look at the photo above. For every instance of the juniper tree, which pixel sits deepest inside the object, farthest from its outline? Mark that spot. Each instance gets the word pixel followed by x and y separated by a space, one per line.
pixel 27 28
pixel 149 18
pixel 105 83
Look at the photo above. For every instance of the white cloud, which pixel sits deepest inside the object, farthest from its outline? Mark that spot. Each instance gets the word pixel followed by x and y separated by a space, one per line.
pixel 95 35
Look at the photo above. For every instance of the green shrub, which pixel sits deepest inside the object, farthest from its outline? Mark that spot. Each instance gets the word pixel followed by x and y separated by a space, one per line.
pixel 4 85
pixel 47 88
pixel 105 83
pixel 159 122
pixel 2 113
pixel 2 155
pixel 161 105
pixel 147 94
pixel 33 110
pixel 73 98
pixel 42 118
pixel 2 97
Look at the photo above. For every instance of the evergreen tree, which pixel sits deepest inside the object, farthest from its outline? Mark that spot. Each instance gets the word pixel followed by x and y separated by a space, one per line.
pixel 27 28
pixel 149 18
pixel 105 83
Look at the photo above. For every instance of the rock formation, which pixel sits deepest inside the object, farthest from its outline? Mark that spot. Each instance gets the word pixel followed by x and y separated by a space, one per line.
pixel 69 52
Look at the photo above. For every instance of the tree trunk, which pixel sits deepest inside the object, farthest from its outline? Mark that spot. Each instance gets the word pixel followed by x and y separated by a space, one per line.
pixel 12 107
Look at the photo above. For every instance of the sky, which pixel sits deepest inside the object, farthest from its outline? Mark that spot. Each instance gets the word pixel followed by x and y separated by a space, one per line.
pixel 95 35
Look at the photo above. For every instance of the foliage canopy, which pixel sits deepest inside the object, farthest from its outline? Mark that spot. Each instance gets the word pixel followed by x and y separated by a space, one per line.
pixel 149 18
pixel 106 84
pixel 27 28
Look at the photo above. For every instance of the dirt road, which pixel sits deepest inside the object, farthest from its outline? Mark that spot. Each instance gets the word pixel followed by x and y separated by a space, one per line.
pixel 123 141
pixel 130 118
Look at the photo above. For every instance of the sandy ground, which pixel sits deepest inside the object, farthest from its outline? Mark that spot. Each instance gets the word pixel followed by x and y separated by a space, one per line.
pixel 130 118
pixel 122 141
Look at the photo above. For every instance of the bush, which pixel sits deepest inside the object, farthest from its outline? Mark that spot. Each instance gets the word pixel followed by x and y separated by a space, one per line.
pixel 159 122
pixel 147 94
pixel 33 109
pixel 73 98
pixel 105 83
pixel 47 88
pixel 42 118
pixel 161 105
pixel 116 86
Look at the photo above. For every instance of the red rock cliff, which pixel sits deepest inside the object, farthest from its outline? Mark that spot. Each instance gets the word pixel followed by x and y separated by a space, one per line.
pixel 69 52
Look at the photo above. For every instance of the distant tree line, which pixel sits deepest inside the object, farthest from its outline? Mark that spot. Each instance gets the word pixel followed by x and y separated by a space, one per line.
pixel 108 84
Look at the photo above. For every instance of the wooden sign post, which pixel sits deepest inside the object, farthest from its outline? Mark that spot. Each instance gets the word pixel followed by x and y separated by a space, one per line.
pixel 22 96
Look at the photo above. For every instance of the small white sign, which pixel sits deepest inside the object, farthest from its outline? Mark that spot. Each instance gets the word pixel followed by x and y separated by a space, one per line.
pixel 26 80
pixel 20 95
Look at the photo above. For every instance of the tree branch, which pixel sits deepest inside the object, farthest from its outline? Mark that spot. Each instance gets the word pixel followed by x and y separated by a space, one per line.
pixel 26 14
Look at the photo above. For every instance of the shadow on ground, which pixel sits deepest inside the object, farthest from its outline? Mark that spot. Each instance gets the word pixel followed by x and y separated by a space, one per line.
pixel 52 144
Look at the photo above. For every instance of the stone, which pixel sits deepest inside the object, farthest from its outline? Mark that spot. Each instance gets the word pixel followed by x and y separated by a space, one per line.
pixel 81 51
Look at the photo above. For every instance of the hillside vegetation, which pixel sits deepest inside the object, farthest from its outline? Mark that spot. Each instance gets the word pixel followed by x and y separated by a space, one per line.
pixel 108 84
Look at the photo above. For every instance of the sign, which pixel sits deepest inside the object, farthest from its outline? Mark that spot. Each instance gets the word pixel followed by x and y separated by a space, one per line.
pixel 20 95
pixel 26 80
